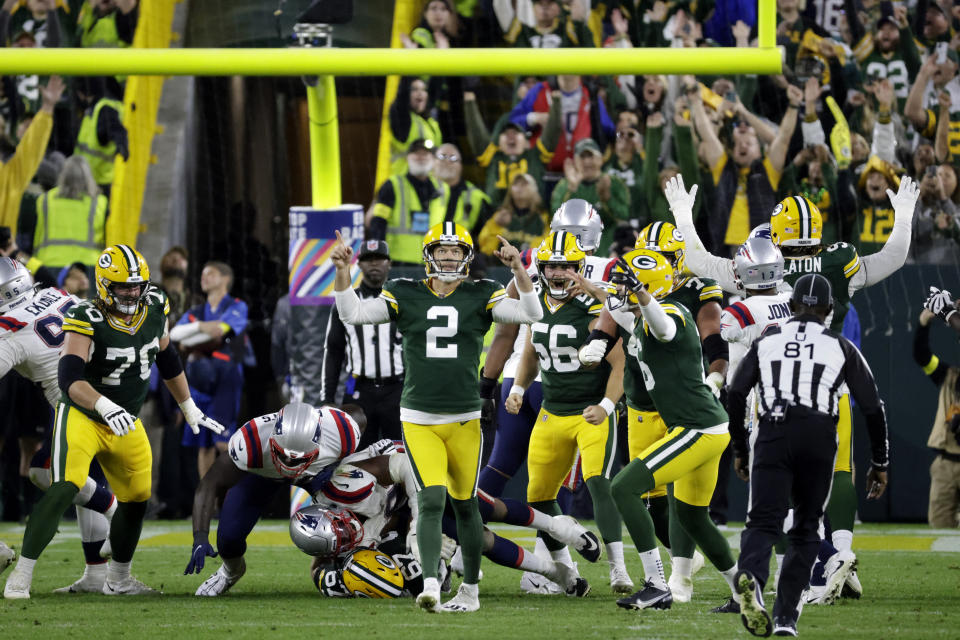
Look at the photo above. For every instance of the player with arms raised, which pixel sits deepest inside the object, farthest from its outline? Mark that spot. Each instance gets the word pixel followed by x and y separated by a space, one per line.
pixel 443 319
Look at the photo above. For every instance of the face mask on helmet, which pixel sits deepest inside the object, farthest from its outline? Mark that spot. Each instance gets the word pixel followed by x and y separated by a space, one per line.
pixel 295 442
pixel 126 297
pixel 441 269
pixel 758 265
pixel 560 284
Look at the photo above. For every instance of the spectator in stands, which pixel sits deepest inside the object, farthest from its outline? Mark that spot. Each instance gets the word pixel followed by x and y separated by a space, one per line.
pixel 583 115
pixel 891 52
pixel 107 23
pixel 924 107
pixel 936 223
pixel 521 218
pixel 654 178
pixel 468 205
pixel 507 152
pixel 213 334
pixel 73 279
pixel 931 24
pixel 407 204
pixel 102 135
pixel 553 27
pixel 173 281
pixel 584 179
pixel 45 179
pixel 71 218
pixel 411 118
pixel 626 163
pixel 875 214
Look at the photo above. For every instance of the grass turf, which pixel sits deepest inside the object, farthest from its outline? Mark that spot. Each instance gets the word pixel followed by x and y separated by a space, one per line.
pixel 910 574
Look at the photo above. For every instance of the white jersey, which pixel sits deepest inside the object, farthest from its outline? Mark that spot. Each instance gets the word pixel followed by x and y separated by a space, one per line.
pixel 595 269
pixel 249 447
pixel 358 490
pixel 744 322
pixel 31 337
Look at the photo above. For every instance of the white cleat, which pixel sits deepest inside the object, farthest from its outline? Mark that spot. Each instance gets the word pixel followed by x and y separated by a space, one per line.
pixel 536 583
pixel 220 582
pixel 852 588
pixel 836 571
pixel 467 600
pixel 90 582
pixel 681 587
pixel 429 598
pixel 18 586
pixel 129 586
pixel 620 581
pixel 567 530
pixel 7 556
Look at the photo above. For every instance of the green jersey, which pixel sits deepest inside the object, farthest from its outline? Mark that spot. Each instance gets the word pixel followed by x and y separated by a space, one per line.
pixel 673 373
pixel 568 388
pixel 838 263
pixel 442 341
pixel 122 353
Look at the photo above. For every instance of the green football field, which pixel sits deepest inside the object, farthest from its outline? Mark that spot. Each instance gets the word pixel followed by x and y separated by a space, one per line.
pixel 910 575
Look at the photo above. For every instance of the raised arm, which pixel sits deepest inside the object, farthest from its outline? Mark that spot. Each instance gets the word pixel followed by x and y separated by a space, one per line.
pixel 891 257
pixel 351 308
pixel 777 153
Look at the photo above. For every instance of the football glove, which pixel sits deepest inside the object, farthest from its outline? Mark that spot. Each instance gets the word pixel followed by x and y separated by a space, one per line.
pixel 202 549
pixel 626 277
pixel 715 381
pixel 196 418
pixel 593 352
pixel 904 200
pixel 116 417
pixel 941 303
pixel 681 202
pixel 448 547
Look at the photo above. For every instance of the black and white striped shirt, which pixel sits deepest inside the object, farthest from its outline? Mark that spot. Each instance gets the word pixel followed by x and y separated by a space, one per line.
pixel 805 364
pixel 370 352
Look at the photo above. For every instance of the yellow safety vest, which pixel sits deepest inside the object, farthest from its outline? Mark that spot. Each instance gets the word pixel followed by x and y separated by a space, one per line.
pixel 409 219
pixel 100 157
pixel 475 198
pixel 100 33
pixel 69 230
pixel 420 127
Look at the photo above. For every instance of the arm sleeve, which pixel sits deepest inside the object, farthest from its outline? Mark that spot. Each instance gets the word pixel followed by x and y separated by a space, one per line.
pixel 863 388
pixel 353 310
pixel 519 113
pixel 334 347
pixel 933 366
pixel 109 128
pixel 702 262
pixel 399 113
pixel 661 326
pixel 884 142
pixel 877 266
pixel 10 355
pixel 236 317
pixel 23 165
pixel 525 310
pixel 477 133
pixel 748 373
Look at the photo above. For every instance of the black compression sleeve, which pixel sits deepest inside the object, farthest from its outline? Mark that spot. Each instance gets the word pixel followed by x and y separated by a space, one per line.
pixel 597 334
pixel 168 363
pixel 715 348
pixel 69 370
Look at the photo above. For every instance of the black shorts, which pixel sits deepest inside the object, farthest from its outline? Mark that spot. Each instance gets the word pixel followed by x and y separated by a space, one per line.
pixel 26 413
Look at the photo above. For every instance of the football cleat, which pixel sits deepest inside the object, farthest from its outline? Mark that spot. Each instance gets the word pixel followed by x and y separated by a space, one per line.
pixel 535 583
pixel 784 627
pixel 7 556
pixel 90 582
pixel 220 582
pixel 466 601
pixel 752 612
pixel 730 606
pixel 836 570
pixel 18 586
pixel 681 587
pixel 429 598
pixel 567 530
pixel 852 587
pixel 620 581
pixel 650 597
pixel 572 583
pixel 129 586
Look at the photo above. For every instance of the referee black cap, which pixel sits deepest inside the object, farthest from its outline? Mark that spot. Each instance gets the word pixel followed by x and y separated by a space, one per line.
pixel 812 290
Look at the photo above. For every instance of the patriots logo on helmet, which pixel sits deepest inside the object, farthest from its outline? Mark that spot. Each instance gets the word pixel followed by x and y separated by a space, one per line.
pixel 355 474
pixel 307 520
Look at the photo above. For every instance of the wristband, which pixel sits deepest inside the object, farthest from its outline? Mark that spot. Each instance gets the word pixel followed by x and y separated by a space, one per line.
pixel 607 405
pixel 487 387
pixel 517 389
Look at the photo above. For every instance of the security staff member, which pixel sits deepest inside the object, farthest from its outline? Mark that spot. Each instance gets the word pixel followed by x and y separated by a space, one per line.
pixel 798 371
pixel 372 352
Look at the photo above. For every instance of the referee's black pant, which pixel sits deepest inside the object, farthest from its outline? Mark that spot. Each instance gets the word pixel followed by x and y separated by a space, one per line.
pixel 792 463
pixel 381 404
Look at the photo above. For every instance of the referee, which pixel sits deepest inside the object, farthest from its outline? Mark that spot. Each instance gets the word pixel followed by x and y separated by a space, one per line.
pixel 799 371
pixel 374 362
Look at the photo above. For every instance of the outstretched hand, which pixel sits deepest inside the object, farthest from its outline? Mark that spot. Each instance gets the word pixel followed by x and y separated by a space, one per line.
pixel 680 200
pixel 341 254
pixel 905 198
pixel 508 254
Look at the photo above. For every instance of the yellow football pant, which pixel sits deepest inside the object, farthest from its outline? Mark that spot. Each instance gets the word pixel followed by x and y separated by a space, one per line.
pixel 844 435
pixel 643 429
pixel 553 447
pixel 690 460
pixel 445 455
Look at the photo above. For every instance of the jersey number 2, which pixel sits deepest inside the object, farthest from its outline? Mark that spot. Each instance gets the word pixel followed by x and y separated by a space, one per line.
pixel 449 330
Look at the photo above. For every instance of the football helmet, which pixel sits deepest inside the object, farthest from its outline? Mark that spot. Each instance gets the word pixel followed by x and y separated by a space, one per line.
pixel 648 268
pixel 325 533
pixel 560 249
pixel 665 239
pixel 796 224
pixel 295 441
pixel 368 573
pixel 758 264
pixel 760 231
pixel 447 233
pixel 121 264
pixel 16 285
pixel 581 219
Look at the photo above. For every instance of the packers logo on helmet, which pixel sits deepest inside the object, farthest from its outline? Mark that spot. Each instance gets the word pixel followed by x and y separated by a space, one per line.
pixel 665 239
pixel 560 249
pixel 796 222
pixel 122 278
pixel 451 235
pixel 368 573
pixel 651 268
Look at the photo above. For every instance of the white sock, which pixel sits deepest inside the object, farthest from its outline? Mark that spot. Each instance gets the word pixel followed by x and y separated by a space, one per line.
pixel 471 590
pixel 540 548
pixel 117 571
pixel 233 566
pixel 615 554
pixel 653 567
pixel 541 521
pixel 98 571
pixel 431 585
pixel 728 576
pixel 25 565
pixel 537 564
pixel 86 492
pixel 843 539
pixel 682 567
pixel 563 556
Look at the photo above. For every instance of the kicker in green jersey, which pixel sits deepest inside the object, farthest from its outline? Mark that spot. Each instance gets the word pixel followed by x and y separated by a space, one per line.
pixel 838 263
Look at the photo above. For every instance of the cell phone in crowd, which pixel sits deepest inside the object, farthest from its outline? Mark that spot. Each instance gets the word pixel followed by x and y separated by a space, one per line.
pixel 942 52
pixel 931 171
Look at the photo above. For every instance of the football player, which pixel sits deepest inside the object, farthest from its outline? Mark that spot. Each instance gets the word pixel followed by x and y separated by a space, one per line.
pixel 443 319
pixel 30 341
pixel 796 227
pixel 301 441
pixel 104 370
pixel 688 455
pixel 578 403
pixel 702 297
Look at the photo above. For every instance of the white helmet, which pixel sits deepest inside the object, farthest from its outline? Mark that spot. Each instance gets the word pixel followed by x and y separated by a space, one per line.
pixel 758 264
pixel 579 218
pixel 295 441
pixel 325 533
pixel 16 284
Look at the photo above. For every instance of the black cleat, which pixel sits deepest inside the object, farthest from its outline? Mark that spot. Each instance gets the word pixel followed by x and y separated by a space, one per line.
pixel 650 597
pixel 784 627
pixel 580 589
pixel 730 606
pixel 590 548
pixel 752 612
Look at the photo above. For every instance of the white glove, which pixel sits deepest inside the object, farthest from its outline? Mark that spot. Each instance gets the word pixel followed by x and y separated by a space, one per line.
pixel 116 417
pixel 681 202
pixel 448 546
pixel 904 200
pixel 941 304
pixel 715 381
pixel 592 352
pixel 196 419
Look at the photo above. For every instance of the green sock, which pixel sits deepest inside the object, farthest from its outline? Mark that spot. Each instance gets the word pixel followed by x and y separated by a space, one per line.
pixel 431 501
pixel 470 532
pixel 842 508
pixel 125 529
pixel 43 522
pixel 681 543
pixel 551 508
pixel 605 510
pixel 781 547
pixel 631 483
pixel 659 508
pixel 697 522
